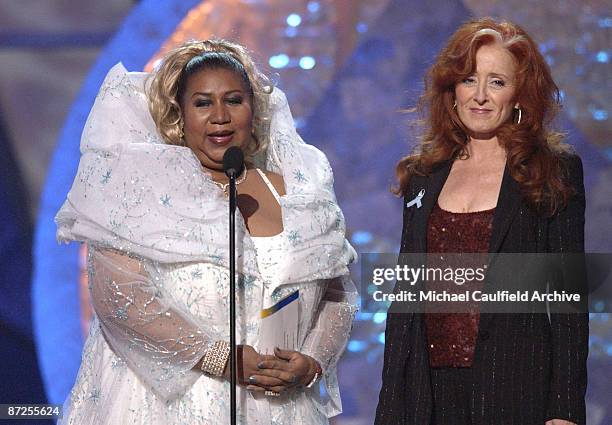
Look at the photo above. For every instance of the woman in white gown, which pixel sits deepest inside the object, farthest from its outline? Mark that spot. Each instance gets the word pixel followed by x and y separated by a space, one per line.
pixel 149 201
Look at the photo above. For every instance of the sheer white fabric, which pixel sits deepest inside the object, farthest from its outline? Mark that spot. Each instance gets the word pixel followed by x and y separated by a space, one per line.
pixel 157 338
pixel 327 339
pixel 157 230
pixel 326 317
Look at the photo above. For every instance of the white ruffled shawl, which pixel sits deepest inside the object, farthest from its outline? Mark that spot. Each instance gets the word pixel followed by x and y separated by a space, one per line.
pixel 136 194
pixel 139 195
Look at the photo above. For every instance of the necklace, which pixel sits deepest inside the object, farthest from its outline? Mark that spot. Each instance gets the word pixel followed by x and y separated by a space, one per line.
pixel 225 186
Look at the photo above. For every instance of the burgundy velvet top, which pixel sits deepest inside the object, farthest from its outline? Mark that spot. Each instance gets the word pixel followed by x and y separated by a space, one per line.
pixel 451 337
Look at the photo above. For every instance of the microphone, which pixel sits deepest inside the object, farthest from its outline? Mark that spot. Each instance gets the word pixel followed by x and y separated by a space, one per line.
pixel 233 161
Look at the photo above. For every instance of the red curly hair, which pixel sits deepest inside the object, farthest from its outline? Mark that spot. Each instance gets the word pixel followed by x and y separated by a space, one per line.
pixel 533 152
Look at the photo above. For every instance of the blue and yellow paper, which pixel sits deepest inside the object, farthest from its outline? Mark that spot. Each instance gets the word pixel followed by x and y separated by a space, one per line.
pixel 279 325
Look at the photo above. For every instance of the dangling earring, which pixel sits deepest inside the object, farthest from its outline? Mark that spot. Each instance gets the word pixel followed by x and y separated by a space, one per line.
pixel 181 132
pixel 455 105
pixel 520 113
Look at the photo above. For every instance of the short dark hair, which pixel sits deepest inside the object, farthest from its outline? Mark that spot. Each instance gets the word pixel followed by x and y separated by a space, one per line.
pixel 213 60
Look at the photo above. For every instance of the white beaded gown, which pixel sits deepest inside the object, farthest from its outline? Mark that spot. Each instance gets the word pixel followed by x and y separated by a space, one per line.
pixel 156 228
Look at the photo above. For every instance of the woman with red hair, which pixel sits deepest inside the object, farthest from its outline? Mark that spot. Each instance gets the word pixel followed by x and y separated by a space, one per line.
pixel 489 176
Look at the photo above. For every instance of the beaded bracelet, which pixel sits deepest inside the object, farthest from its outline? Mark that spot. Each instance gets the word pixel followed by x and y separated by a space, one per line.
pixel 215 359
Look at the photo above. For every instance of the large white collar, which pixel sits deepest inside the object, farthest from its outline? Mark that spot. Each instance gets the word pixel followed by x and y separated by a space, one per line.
pixel 135 193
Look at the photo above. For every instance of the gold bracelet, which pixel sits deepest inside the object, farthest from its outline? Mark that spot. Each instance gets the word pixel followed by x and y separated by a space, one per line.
pixel 215 359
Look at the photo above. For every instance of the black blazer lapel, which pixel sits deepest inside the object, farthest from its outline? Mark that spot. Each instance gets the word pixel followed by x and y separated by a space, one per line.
pixel 433 185
pixel 507 207
pixel 505 212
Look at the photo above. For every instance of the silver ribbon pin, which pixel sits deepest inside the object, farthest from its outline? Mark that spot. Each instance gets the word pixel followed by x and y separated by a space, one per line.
pixel 416 201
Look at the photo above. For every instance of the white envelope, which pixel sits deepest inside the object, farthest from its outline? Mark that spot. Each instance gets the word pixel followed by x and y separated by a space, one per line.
pixel 279 325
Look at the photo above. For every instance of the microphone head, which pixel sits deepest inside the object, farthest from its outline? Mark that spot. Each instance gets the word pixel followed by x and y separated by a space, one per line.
pixel 233 161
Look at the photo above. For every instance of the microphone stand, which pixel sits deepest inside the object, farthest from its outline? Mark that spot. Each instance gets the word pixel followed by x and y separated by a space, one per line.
pixel 232 270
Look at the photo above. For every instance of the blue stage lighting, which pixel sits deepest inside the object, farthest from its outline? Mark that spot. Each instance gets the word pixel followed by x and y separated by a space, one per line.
pixel 307 62
pixel 279 61
pixel 313 6
pixel 361 237
pixel 356 345
pixel 379 317
pixel 600 114
pixel 294 20
pixel 602 57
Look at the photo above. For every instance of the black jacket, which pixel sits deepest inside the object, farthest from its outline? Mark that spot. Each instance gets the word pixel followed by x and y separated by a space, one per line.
pixel 528 369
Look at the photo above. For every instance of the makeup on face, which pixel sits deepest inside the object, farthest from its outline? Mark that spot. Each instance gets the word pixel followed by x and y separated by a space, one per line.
pixel 485 99
pixel 217 113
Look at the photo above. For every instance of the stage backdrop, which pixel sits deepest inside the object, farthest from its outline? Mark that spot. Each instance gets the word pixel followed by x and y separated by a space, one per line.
pixel 349 69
